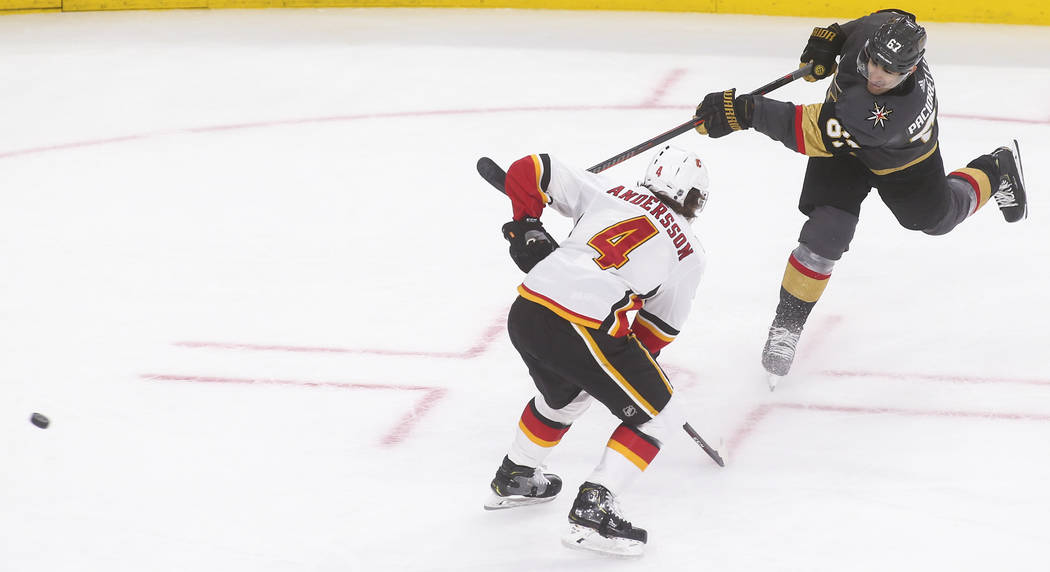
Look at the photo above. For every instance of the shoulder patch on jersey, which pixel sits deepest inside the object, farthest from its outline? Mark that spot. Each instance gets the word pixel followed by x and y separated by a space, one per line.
pixel 879 115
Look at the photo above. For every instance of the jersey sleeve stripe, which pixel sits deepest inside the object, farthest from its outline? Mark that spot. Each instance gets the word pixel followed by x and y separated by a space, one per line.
pixel 542 165
pixel 800 137
pixel 807 120
pixel 620 327
pixel 650 338
pixel 640 324
pixel 545 177
pixel 652 319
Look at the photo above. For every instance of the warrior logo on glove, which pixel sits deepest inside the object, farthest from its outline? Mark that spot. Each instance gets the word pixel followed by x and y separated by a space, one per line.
pixel 723 112
pixel 822 49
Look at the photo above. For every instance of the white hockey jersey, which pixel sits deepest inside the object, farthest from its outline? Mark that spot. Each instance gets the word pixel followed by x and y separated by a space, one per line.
pixel 627 251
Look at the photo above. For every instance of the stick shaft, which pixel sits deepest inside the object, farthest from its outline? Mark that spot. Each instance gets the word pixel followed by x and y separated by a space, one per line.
pixel 694 123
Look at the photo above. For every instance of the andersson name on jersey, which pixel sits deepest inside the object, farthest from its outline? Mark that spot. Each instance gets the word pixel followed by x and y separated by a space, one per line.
pixel 645 201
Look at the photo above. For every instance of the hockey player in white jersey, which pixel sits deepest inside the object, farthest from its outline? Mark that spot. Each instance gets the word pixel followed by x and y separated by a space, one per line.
pixel 631 249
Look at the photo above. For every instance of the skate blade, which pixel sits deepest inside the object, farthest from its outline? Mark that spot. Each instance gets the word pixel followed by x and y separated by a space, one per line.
pixel 1017 156
pixel 583 538
pixel 496 502
pixel 773 380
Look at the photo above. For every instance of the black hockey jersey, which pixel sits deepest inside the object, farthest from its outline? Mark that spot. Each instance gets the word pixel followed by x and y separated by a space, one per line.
pixel 887 132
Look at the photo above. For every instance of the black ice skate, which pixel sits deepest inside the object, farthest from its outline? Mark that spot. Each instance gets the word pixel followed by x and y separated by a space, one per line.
pixel 595 524
pixel 518 485
pixel 1010 197
pixel 779 353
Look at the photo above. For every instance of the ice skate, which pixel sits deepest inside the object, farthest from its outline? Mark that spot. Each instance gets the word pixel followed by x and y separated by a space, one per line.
pixel 518 485
pixel 779 353
pixel 595 524
pixel 1011 197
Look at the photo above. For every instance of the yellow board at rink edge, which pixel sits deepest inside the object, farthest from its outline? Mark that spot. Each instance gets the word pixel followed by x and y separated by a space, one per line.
pixel 1028 12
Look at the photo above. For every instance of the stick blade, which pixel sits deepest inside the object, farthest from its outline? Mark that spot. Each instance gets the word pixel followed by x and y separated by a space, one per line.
pixel 492 173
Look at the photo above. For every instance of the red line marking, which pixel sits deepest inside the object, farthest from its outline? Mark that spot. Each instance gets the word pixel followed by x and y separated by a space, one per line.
pixel 396 435
pixel 481 346
pixel 915 412
pixel 748 426
pixel 996 119
pixel 761 412
pixel 819 335
pixel 75 144
pixel 934 377
pixel 661 89
pixel 408 114
pixel 681 377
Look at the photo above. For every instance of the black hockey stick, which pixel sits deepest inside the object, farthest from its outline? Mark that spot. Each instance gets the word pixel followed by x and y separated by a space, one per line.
pixel 494 174
pixel 695 122
pixel 711 452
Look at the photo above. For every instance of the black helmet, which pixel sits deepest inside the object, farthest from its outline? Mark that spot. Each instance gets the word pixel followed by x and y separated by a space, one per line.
pixel 896 45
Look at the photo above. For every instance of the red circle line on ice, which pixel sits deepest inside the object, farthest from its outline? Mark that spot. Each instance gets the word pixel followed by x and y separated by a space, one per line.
pixel 403 115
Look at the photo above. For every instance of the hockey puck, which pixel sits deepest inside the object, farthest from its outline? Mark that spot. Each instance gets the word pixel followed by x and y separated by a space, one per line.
pixel 40 420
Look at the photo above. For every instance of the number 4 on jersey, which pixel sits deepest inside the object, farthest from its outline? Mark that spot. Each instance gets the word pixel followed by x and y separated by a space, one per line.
pixel 617 241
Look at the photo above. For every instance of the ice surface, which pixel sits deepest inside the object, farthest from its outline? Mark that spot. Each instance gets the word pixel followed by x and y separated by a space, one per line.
pixel 249 272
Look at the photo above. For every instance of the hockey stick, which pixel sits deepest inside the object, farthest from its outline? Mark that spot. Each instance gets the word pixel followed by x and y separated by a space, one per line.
pixel 711 452
pixel 694 122
pixel 495 176
pixel 492 173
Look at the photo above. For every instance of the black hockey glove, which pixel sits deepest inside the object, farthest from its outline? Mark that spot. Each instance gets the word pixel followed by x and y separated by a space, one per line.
pixel 529 242
pixel 822 48
pixel 724 113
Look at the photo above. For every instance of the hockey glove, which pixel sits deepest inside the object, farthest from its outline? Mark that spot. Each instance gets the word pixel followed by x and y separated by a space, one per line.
pixel 822 48
pixel 529 242
pixel 724 113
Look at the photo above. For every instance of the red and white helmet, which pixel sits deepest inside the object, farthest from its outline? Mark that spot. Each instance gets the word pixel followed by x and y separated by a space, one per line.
pixel 675 172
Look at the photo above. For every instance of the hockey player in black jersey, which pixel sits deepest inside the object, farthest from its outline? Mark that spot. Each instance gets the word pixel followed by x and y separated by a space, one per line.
pixel 877 128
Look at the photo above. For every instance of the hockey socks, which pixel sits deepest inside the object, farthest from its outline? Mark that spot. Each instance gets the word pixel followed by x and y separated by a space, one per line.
pixel 978 185
pixel 805 277
pixel 536 436
pixel 520 479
